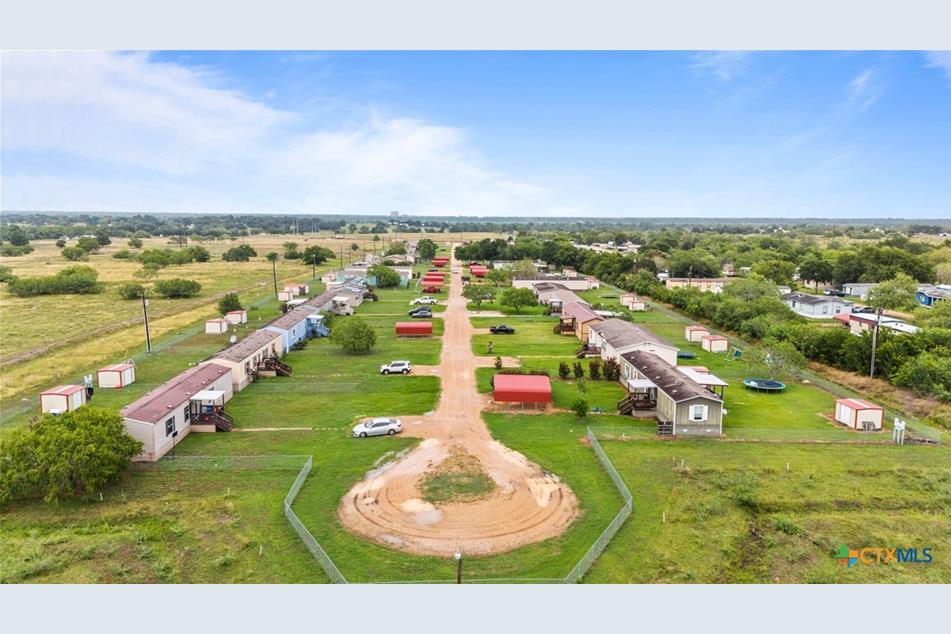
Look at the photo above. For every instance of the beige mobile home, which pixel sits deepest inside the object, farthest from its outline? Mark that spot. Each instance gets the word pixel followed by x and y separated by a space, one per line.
pixel 243 357
pixel 164 416
pixel 614 337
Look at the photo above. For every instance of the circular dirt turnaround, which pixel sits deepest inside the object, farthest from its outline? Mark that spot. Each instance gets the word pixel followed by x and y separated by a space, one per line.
pixel 527 505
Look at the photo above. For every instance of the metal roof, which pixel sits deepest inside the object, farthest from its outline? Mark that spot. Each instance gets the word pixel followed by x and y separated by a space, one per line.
pixel 620 334
pixel 675 384
pixel 156 405
pixel 581 312
pixel 247 346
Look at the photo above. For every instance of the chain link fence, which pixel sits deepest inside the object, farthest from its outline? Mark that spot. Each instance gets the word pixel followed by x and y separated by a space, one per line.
pixel 315 549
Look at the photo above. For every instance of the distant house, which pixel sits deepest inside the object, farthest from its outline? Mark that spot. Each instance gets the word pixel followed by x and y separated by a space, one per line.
pixel 858 289
pixel 863 322
pixel 580 316
pixel 556 296
pixel 682 406
pixel 783 290
pixel 162 417
pixel 570 283
pixel 615 337
pixel 930 296
pixel 816 306
pixel 705 284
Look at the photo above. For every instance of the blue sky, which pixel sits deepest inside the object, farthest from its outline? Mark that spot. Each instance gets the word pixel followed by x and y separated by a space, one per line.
pixel 728 134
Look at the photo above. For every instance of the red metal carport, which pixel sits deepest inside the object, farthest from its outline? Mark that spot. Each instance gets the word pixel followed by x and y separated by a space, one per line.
pixel 521 388
pixel 414 329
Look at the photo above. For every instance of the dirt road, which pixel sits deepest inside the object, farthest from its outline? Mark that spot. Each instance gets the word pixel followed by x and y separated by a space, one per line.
pixel 527 505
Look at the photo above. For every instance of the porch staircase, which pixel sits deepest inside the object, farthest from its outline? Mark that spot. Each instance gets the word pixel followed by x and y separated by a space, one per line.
pixel 585 351
pixel 277 366
pixel 221 421
pixel 626 405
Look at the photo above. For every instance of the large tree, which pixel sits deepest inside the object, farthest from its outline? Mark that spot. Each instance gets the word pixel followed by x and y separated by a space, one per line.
pixel 426 249
pixel 817 269
pixel 518 297
pixel 353 335
pixel 385 276
pixel 897 293
pixel 75 453
pixel 477 293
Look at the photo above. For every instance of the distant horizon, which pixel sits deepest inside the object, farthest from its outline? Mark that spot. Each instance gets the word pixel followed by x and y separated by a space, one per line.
pixel 557 134
pixel 498 219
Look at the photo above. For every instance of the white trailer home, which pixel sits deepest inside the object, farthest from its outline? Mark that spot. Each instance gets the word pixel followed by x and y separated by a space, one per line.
pixel 615 337
pixel 243 357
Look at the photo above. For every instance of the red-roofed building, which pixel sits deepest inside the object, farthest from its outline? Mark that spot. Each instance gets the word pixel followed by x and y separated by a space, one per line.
pixel 116 376
pixel 859 414
pixel 414 329
pixel 521 388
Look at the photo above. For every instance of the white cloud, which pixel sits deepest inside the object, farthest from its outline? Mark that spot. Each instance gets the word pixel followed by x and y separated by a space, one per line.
pixel 160 136
pixel 724 65
pixel 940 60
pixel 864 90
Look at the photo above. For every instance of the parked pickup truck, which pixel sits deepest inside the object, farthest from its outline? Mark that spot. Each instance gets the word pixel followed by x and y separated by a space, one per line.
pixel 426 299
pixel 502 330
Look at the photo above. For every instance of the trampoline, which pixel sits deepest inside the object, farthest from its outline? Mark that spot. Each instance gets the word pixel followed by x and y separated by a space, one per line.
pixel 764 385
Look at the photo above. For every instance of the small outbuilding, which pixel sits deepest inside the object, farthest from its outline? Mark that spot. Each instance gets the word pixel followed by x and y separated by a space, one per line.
pixel 237 317
pixel 633 302
pixel 285 296
pixel 694 334
pixel 521 388
pixel 859 414
pixel 714 343
pixel 116 376
pixel 216 326
pixel 414 329
pixel 63 398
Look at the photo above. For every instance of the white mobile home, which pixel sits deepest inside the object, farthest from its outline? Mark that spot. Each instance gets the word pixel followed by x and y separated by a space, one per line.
pixel 243 357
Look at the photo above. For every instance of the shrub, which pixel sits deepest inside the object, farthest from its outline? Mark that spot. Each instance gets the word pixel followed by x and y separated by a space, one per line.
pixel 563 370
pixel 64 456
pixel 317 255
pixel 75 254
pixel 177 287
pixel 228 303
pixel 61 243
pixel 124 254
pixel 15 250
pixel 594 369
pixel 198 253
pixel 6 274
pixel 240 253
pixel 79 280
pixel 353 335
pixel 612 370
pixel 580 407
pixel 88 244
pixel 131 290
pixel 498 363
pixel 518 297
pixel 135 243
pixel 578 370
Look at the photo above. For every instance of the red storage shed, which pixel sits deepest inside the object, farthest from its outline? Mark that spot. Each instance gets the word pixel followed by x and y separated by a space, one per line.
pixel 521 388
pixel 414 329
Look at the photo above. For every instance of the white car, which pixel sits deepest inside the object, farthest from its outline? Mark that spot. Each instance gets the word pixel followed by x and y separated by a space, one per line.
pixel 426 299
pixel 396 367
pixel 378 427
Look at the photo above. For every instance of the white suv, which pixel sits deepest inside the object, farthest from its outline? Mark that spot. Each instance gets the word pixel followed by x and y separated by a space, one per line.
pixel 425 299
pixel 396 367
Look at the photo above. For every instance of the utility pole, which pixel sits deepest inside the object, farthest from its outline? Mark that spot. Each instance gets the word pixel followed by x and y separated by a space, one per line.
pixel 458 567
pixel 145 314
pixel 878 319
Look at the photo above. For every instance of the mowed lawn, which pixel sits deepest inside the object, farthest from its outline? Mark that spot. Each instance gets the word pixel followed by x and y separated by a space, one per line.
pixel 734 514
pixel 331 388
pixel 533 338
